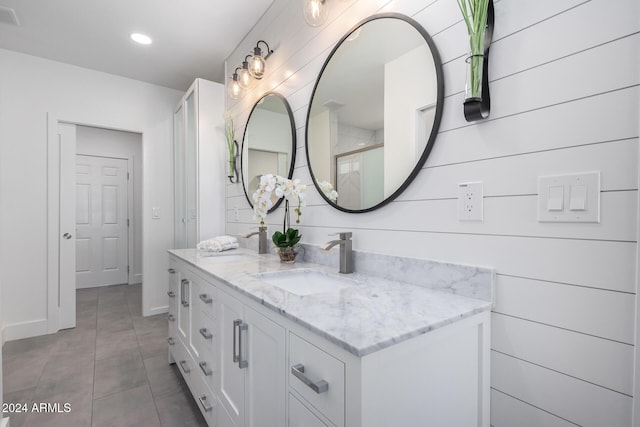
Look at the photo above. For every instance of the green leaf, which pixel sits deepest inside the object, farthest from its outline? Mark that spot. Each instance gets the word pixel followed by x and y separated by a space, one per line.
pixel 287 239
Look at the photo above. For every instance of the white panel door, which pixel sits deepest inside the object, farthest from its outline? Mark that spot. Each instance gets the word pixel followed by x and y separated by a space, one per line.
pixel 101 221
pixel 232 376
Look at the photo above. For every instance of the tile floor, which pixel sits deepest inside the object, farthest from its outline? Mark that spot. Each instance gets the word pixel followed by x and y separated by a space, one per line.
pixel 112 369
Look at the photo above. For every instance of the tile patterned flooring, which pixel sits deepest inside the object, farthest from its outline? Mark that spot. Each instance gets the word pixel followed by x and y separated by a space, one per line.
pixel 112 369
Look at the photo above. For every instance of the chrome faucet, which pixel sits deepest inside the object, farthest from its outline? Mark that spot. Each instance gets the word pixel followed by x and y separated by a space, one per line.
pixel 346 254
pixel 262 239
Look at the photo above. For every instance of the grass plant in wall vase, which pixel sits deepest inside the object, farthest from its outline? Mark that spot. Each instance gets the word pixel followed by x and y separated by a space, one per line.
pixel 479 18
pixel 286 240
pixel 232 147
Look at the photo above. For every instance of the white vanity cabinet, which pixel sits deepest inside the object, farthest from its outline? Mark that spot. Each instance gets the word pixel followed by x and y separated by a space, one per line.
pixel 253 366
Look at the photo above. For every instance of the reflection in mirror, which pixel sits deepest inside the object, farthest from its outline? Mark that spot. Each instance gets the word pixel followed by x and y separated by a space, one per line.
pixel 375 112
pixel 268 144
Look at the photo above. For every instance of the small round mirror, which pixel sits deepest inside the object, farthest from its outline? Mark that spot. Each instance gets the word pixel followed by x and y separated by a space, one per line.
pixel 374 113
pixel 268 144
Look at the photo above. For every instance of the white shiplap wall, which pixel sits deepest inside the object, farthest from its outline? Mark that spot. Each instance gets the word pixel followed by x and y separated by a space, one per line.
pixel 565 94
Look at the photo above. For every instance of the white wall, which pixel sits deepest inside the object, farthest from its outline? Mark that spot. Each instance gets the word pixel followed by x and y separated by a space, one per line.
pixel 30 88
pixel 564 81
pixel 125 145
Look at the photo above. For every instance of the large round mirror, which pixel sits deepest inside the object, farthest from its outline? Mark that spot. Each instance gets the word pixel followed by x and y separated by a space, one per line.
pixel 268 144
pixel 374 113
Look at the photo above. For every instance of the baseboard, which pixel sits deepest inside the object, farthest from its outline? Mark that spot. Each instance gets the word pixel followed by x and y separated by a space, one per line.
pixel 30 329
pixel 155 310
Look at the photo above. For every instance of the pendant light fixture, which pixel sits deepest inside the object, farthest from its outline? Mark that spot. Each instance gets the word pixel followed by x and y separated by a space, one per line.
pixel 235 91
pixel 315 12
pixel 257 62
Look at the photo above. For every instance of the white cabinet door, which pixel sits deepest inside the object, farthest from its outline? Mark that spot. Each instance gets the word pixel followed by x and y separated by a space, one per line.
pixel 266 371
pixel 232 383
pixel 253 366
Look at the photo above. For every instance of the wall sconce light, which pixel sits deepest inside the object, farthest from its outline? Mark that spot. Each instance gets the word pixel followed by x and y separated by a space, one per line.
pixel 235 90
pixel 244 76
pixel 257 62
pixel 315 12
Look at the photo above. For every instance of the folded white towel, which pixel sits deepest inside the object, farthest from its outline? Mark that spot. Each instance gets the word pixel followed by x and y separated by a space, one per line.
pixel 218 244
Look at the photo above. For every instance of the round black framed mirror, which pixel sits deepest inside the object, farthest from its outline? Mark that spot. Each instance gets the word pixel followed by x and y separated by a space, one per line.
pixel 374 113
pixel 268 143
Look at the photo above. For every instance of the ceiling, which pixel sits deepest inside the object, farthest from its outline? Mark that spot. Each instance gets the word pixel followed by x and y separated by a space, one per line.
pixel 191 38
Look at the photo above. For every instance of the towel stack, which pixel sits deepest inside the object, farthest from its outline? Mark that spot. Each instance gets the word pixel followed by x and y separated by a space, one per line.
pixel 214 245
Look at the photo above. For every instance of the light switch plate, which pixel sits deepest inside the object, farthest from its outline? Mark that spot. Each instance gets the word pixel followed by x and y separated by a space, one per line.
pixel 581 198
pixel 470 197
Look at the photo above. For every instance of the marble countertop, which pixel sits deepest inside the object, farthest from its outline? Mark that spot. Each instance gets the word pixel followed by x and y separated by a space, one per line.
pixel 371 314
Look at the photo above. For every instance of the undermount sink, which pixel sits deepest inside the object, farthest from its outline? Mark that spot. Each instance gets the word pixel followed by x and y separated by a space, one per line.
pixel 305 281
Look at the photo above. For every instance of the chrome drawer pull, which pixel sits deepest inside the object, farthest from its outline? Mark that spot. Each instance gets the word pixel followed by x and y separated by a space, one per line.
pixel 184 292
pixel 171 271
pixel 171 318
pixel 205 405
pixel 319 386
pixel 171 294
pixel 205 333
pixel 239 325
pixel 184 366
pixel 206 298
pixel 171 341
pixel 206 371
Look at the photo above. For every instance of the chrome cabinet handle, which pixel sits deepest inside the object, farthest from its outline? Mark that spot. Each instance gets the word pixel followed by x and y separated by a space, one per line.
pixel 171 271
pixel 184 297
pixel 242 363
pixel 205 405
pixel 171 318
pixel 171 294
pixel 239 325
pixel 185 367
pixel 236 323
pixel 66 236
pixel 171 341
pixel 206 371
pixel 205 333
pixel 206 298
pixel 318 386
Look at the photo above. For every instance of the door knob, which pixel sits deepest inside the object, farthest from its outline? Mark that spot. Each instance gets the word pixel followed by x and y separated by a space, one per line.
pixel 66 236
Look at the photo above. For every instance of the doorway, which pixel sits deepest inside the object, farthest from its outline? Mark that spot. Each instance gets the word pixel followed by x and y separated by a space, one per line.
pixel 69 142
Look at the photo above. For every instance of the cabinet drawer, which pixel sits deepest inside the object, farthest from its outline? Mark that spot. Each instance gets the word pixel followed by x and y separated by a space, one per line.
pixel 208 368
pixel 318 377
pixel 300 416
pixel 185 363
pixel 206 298
pixel 204 334
pixel 206 401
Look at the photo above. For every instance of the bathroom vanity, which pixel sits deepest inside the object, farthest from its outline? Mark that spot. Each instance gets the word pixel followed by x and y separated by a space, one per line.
pixel 261 343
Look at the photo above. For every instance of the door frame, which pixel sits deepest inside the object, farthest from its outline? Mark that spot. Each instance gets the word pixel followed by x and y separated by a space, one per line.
pixel 53 211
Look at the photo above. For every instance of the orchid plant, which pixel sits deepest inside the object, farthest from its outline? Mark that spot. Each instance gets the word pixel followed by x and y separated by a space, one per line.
pixel 292 191
pixel 327 189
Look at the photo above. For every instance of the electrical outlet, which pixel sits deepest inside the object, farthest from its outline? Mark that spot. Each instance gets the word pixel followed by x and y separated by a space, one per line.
pixel 470 201
pixel 236 213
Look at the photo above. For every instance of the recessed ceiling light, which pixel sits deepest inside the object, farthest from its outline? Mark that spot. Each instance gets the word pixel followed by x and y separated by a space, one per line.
pixel 141 38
